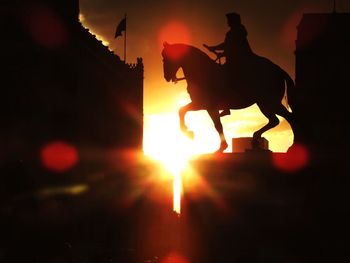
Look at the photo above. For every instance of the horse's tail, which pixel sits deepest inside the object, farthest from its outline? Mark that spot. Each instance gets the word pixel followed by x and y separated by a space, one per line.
pixel 290 85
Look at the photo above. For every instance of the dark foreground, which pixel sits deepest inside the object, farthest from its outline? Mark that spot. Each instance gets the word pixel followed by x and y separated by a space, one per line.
pixel 241 209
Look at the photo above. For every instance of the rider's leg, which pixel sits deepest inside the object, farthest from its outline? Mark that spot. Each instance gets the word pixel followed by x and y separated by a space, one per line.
pixel 230 73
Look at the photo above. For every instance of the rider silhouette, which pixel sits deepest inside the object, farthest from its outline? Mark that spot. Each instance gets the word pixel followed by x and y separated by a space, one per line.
pixel 236 48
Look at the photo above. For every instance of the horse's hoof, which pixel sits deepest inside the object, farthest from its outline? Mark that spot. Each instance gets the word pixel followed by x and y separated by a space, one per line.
pixel 222 148
pixel 256 143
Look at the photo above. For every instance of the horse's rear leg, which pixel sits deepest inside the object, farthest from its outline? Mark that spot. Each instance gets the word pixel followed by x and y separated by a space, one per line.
pixel 283 112
pixel 273 122
pixel 215 116
pixel 182 112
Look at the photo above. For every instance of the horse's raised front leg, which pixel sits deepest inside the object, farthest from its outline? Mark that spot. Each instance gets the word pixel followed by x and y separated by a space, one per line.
pixel 182 112
pixel 215 116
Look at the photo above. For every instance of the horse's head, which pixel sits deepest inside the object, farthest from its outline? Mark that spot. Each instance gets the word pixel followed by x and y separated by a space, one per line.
pixel 172 59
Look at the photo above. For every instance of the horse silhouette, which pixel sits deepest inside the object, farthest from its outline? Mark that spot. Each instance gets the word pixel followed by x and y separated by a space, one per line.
pixel 214 87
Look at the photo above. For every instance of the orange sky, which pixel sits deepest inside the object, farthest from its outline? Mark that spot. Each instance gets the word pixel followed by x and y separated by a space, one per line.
pixel 271 29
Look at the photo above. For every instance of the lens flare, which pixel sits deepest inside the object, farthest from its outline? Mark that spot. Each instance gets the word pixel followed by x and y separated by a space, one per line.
pixel 46 27
pixel 174 32
pixel 59 156
pixel 295 159
pixel 168 146
pixel 177 190
pixel 174 257
pixel 174 158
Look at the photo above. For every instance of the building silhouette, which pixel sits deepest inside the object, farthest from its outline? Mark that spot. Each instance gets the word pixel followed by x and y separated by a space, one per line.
pixel 322 67
pixel 61 83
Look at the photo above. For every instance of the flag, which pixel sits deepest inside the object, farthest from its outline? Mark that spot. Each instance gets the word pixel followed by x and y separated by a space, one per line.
pixel 120 28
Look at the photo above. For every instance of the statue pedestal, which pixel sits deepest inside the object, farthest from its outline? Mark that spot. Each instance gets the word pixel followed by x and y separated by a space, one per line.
pixel 244 144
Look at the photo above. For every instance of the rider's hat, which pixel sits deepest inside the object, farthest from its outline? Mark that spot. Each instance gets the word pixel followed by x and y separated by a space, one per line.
pixel 233 18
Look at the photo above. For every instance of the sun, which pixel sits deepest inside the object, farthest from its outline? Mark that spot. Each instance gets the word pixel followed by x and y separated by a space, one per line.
pixel 164 143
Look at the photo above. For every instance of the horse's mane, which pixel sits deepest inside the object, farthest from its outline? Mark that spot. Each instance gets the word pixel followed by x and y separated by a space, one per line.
pixel 195 52
pixel 199 53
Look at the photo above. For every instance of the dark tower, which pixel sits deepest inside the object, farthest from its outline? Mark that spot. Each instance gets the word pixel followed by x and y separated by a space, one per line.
pixel 322 82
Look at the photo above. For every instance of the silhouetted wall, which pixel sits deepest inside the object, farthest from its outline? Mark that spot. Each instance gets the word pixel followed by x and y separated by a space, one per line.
pixel 320 102
pixel 60 82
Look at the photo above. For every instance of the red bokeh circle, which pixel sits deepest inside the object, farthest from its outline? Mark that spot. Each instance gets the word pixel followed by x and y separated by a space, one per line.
pixel 175 258
pixel 59 156
pixel 175 32
pixel 295 159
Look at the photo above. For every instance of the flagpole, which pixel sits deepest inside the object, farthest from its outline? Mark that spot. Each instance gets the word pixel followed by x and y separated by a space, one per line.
pixel 125 41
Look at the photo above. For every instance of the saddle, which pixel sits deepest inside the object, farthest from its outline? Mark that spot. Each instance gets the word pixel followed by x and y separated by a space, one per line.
pixel 244 75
